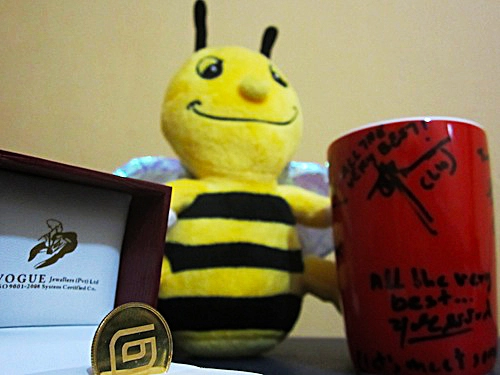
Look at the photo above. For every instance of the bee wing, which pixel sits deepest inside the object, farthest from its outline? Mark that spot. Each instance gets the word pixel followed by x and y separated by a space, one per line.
pixel 157 169
pixel 313 177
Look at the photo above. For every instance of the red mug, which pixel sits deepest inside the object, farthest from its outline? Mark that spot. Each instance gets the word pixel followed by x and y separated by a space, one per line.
pixel 413 226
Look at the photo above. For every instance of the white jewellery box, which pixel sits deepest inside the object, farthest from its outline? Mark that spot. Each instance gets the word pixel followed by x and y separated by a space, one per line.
pixel 74 244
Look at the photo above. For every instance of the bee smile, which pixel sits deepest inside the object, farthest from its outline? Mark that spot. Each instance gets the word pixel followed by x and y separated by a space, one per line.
pixel 195 104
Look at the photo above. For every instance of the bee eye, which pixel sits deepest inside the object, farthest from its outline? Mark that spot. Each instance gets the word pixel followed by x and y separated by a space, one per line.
pixel 209 67
pixel 277 77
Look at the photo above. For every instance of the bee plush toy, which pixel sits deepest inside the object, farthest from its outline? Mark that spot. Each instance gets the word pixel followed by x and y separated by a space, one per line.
pixel 234 274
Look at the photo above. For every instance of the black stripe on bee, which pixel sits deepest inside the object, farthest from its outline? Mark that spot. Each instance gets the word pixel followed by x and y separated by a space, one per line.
pixel 222 255
pixel 225 313
pixel 240 206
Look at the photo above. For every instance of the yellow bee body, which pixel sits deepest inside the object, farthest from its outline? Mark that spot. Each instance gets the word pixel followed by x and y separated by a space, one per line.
pixel 232 272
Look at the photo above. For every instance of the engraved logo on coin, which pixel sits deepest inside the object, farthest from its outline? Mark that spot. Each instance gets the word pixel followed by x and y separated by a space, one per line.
pixel 146 347
pixel 133 338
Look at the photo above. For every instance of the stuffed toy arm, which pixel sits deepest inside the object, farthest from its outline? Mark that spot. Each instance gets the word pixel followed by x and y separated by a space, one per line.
pixel 320 279
pixel 312 209
pixel 309 208
pixel 180 201
pixel 184 191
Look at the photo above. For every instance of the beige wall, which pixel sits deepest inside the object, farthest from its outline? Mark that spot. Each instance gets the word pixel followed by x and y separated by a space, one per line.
pixel 82 81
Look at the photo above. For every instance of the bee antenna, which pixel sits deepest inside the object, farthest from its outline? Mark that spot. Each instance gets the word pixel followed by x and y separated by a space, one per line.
pixel 200 15
pixel 268 40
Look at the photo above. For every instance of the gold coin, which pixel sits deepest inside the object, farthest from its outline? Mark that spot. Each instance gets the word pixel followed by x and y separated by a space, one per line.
pixel 132 339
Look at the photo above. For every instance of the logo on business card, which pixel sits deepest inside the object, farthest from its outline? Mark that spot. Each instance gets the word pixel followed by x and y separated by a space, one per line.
pixel 53 245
